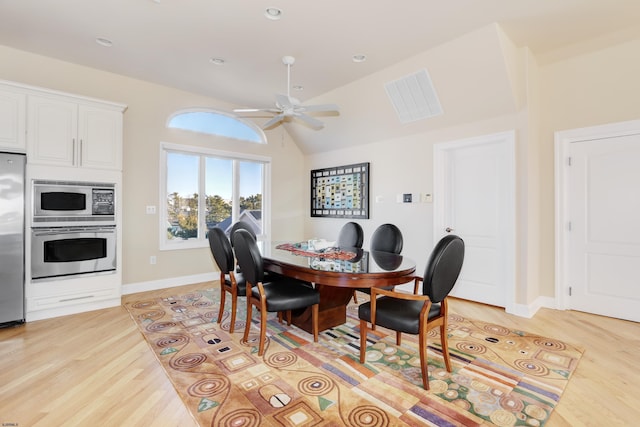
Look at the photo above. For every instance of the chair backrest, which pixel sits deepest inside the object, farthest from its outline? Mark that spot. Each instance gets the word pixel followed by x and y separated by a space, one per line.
pixel 443 268
pixel 248 256
pixel 351 235
pixel 241 225
pixel 387 238
pixel 221 250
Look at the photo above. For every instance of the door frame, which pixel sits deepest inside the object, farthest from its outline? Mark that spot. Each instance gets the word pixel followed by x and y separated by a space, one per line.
pixel 563 141
pixel 507 141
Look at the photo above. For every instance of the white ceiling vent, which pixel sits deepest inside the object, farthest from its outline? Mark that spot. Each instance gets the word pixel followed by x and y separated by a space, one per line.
pixel 414 97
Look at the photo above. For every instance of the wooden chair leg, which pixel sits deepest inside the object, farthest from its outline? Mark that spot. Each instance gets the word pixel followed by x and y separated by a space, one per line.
pixel 355 298
pixel 398 338
pixel 314 321
pixel 444 342
pixel 423 357
pixel 222 301
pixel 288 317
pixel 234 306
pixel 247 326
pixel 363 339
pixel 263 330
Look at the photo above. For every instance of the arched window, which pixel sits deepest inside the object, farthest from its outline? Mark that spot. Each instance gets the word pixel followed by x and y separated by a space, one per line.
pixel 216 123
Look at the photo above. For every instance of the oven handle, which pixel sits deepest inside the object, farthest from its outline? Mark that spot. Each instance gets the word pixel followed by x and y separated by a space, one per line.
pixel 74 230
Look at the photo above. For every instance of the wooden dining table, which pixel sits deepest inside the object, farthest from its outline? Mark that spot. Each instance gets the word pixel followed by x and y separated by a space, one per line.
pixel 336 279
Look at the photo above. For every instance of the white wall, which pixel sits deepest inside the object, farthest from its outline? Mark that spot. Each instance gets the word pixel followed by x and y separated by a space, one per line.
pixel 399 166
pixel 597 87
pixel 149 106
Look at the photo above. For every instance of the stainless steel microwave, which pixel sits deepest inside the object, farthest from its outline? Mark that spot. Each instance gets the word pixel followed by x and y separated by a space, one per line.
pixel 73 202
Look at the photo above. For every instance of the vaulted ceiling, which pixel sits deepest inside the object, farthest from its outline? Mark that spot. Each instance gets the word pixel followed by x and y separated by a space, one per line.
pixel 462 44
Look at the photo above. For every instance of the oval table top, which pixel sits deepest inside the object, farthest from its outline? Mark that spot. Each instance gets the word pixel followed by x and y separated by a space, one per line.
pixel 343 267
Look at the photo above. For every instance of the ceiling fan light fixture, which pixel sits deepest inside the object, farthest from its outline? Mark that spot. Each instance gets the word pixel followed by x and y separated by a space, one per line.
pixel 273 13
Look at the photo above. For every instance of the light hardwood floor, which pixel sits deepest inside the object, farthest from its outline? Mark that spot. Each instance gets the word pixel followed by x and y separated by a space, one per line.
pixel 95 368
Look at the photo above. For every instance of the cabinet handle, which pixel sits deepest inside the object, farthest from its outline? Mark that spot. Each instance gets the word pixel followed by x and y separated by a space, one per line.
pixel 73 152
pixel 80 154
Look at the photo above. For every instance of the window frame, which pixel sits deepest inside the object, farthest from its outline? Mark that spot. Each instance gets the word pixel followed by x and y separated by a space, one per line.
pixel 201 240
pixel 257 129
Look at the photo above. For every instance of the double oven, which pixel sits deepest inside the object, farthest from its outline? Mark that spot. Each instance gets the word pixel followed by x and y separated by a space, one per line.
pixel 73 229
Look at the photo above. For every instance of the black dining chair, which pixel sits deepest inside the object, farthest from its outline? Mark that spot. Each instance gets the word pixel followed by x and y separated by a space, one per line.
pixel 283 295
pixel 350 236
pixel 242 225
pixel 414 313
pixel 385 238
pixel 230 280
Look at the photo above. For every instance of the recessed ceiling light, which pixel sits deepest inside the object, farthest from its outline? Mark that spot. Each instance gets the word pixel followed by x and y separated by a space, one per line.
pixel 217 61
pixel 273 13
pixel 359 58
pixel 297 87
pixel 104 42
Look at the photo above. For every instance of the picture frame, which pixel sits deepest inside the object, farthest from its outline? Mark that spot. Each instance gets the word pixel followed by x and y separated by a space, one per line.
pixel 341 191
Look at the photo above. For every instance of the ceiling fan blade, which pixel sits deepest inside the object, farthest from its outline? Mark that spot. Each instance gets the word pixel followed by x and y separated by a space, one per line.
pixel 319 107
pixel 255 110
pixel 314 123
pixel 273 121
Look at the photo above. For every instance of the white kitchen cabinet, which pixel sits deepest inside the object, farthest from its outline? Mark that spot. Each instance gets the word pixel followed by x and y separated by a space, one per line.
pixel 46 299
pixel 12 120
pixel 64 132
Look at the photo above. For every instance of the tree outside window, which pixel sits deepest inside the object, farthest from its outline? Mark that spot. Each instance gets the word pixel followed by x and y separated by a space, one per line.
pixel 222 183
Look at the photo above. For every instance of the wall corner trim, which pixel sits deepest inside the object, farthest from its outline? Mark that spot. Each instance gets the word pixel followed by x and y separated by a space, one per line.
pixel 529 310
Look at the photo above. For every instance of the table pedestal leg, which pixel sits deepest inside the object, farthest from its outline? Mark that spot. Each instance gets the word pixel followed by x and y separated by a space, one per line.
pixel 332 311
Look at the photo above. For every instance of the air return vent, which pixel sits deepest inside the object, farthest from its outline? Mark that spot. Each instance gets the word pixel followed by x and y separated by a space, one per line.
pixel 414 97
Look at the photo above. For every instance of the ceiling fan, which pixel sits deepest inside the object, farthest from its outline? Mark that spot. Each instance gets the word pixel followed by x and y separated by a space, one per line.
pixel 289 107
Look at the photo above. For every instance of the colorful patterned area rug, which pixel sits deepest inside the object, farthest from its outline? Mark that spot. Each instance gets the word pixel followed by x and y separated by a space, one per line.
pixel 500 377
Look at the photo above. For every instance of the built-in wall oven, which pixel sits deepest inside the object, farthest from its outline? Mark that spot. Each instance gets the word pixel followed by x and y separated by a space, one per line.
pixel 73 229
pixel 68 251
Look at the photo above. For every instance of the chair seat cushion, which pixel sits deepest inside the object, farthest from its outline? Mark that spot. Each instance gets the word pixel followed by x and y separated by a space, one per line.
pixel 397 314
pixel 289 294
pixel 240 281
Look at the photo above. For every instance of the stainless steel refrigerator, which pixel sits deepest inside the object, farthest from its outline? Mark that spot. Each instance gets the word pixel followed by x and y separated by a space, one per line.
pixel 11 238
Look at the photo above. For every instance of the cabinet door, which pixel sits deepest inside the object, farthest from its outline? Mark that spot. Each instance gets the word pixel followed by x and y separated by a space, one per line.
pixel 52 131
pixel 12 121
pixel 100 133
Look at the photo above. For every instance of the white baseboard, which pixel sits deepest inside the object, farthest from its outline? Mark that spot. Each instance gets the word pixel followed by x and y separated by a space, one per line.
pixel 72 309
pixel 529 310
pixel 132 288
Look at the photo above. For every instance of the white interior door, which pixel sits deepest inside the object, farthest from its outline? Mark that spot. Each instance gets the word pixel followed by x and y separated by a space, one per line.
pixel 603 226
pixel 474 199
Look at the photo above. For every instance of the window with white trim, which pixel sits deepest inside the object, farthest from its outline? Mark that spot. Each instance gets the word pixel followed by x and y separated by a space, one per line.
pixel 203 188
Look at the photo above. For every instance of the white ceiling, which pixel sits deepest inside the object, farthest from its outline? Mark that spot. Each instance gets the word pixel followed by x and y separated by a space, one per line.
pixel 170 42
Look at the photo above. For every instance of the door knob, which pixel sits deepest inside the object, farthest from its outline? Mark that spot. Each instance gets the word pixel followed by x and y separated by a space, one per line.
pixel 448 229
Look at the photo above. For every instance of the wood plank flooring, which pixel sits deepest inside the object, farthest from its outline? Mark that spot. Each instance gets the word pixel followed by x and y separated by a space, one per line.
pixel 96 369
